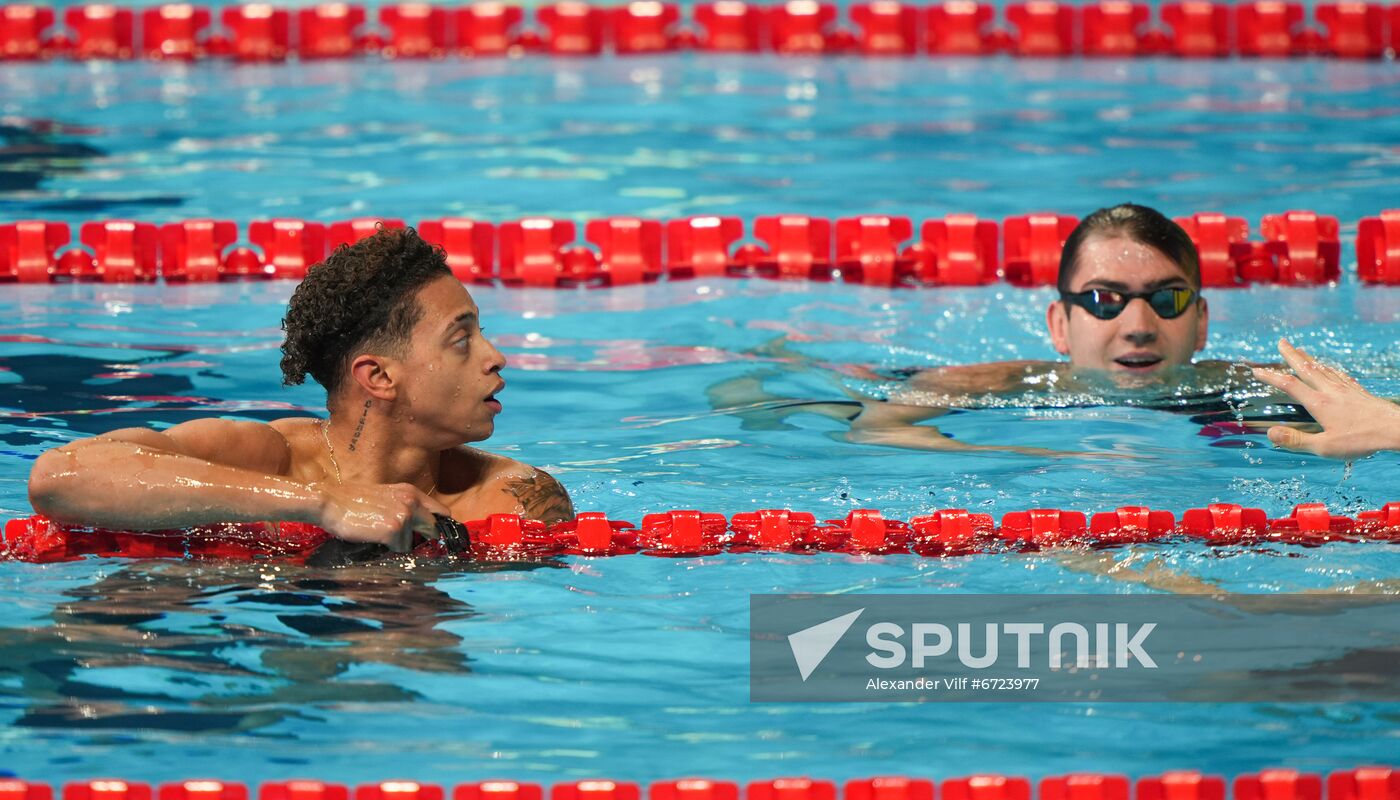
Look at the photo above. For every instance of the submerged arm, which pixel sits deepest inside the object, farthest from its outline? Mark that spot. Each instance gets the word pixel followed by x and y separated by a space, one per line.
pixel 1139 568
pixel 997 377
pixel 894 425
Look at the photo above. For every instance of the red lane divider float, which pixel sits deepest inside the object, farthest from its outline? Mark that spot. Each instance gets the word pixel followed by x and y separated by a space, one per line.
pixel 1364 783
pixel 1296 248
pixel 688 533
pixel 258 32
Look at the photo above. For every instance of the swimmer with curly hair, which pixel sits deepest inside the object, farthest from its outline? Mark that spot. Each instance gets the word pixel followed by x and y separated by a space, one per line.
pixel 410 378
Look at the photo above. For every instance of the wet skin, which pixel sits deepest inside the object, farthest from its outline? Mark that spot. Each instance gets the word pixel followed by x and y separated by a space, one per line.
pixel 392 455
pixel 1138 342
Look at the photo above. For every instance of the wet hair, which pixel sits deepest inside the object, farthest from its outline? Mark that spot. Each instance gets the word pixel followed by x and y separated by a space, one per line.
pixel 360 299
pixel 1136 223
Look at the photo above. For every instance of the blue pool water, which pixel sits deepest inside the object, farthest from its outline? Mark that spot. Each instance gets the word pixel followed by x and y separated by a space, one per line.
pixel 678 135
pixel 636 667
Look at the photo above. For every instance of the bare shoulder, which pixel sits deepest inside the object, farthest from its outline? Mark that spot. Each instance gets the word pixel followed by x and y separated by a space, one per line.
pixel 539 494
pixel 997 376
pixel 497 484
pixel 304 446
pixel 1237 373
pixel 298 431
pixel 1217 364
pixel 246 444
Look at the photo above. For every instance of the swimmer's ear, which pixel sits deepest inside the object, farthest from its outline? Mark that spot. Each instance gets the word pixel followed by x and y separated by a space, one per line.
pixel 372 374
pixel 1057 320
pixel 1202 326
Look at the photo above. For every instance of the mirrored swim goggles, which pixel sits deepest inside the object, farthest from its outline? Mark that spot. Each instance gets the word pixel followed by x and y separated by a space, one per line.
pixel 1107 304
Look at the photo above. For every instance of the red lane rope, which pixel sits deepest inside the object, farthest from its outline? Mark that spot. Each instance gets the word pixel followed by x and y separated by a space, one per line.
pixel 946 532
pixel 1038 28
pixel 1296 248
pixel 1364 783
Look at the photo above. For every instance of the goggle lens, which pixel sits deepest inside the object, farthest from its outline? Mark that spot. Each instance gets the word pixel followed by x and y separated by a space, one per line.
pixel 1107 304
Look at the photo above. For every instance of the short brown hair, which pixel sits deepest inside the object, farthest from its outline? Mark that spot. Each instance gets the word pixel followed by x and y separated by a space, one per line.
pixel 1136 223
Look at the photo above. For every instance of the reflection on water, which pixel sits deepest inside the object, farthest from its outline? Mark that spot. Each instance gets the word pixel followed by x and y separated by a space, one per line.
pixel 86 396
pixel 35 151
pixel 180 647
pixel 680 135
pixel 30 153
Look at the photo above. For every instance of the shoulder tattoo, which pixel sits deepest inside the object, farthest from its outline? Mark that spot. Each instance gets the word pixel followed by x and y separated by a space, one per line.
pixel 542 497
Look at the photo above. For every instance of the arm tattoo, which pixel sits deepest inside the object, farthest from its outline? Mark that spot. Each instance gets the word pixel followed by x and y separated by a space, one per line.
pixel 542 497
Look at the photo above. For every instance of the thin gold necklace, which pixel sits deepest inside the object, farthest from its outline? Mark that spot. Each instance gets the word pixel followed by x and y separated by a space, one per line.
pixel 325 425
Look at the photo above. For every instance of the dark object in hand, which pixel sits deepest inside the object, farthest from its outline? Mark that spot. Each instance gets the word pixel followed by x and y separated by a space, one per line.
pixel 339 553
pixel 455 536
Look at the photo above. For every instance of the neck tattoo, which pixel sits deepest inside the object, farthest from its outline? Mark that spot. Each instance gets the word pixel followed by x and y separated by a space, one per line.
pixel 330 451
pixel 360 427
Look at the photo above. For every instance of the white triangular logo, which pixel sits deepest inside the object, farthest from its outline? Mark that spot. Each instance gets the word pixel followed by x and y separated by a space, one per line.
pixel 810 646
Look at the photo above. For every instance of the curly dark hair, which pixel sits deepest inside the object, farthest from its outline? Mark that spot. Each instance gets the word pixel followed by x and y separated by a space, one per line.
pixel 360 299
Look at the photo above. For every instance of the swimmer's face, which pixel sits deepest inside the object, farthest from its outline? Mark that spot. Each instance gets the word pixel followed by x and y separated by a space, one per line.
pixel 451 370
pixel 1137 342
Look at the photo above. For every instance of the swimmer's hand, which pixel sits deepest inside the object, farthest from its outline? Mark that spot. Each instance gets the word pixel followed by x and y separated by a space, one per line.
pixel 388 515
pixel 1355 423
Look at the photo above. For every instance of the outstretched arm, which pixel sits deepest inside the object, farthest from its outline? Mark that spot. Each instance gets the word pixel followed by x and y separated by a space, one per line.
pixel 210 471
pixel 1355 423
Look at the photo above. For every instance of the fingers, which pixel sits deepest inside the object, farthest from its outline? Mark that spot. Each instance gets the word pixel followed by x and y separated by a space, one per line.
pixel 1263 425
pixel 1338 377
pixel 1302 364
pixel 1313 382
pixel 402 541
pixel 425 520
pixel 419 509
pixel 1312 371
pixel 434 505
pixel 422 522
pixel 413 523
pixel 1291 385
pixel 1285 437
pixel 418 521
pixel 405 518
